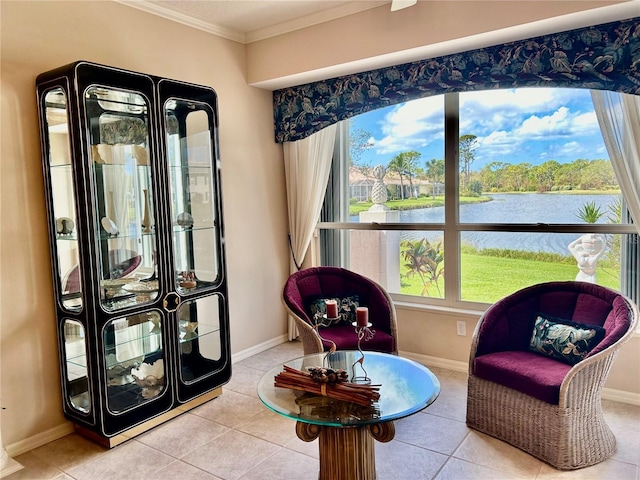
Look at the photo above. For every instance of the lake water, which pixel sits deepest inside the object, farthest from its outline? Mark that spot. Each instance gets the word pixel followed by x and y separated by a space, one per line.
pixel 513 208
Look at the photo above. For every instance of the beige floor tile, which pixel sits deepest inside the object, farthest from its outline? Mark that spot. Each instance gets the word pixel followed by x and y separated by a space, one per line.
pixel 179 471
pixel 439 372
pixel 35 468
pixel 622 414
pixel 182 435
pixel 231 455
pixel 271 427
pixel 69 451
pixel 284 464
pixel 131 460
pixel 307 448
pixel 275 356
pixel 230 408
pixel 607 470
pixel 244 380
pixel 490 452
pixel 452 401
pixel 398 460
pixel 435 433
pixel 628 442
pixel 456 469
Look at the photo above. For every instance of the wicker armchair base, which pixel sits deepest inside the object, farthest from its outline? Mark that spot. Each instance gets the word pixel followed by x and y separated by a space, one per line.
pixel 565 438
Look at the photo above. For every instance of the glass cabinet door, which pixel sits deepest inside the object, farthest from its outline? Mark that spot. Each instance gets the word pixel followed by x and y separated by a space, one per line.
pixel 118 123
pixel 200 339
pixel 134 360
pixel 192 184
pixel 63 194
pixel 76 365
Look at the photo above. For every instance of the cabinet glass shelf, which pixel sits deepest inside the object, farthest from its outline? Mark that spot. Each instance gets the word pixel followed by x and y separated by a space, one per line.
pixel 190 332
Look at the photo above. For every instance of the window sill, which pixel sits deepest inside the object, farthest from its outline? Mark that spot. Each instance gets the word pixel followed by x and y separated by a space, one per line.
pixel 444 310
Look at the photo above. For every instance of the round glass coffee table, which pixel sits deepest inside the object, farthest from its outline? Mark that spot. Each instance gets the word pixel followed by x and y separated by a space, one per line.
pixel 346 431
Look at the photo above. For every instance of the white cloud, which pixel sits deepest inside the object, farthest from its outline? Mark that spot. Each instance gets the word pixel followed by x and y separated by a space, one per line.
pixel 541 126
pixel 522 126
pixel 411 126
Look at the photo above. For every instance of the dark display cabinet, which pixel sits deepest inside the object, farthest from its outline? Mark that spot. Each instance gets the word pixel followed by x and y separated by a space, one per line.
pixel 132 178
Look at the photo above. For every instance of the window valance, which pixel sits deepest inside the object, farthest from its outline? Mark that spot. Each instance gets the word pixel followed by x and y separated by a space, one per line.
pixel 601 57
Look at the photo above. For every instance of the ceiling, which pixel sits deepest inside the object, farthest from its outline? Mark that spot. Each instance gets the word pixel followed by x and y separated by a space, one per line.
pixel 248 21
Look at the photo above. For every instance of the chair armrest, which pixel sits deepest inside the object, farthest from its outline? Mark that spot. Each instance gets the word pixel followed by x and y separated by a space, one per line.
pixel 591 373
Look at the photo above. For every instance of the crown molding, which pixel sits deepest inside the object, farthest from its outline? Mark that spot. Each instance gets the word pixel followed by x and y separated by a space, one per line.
pixel 311 20
pixel 256 35
pixel 163 12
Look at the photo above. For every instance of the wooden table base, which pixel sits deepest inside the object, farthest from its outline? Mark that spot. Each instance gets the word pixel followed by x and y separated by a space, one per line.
pixel 346 453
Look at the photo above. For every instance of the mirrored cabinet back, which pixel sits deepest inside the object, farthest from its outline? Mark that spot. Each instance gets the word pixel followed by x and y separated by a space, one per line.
pixel 132 179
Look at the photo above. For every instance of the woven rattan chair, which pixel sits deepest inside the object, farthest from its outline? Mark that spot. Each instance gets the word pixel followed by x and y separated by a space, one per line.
pixel 305 286
pixel 546 407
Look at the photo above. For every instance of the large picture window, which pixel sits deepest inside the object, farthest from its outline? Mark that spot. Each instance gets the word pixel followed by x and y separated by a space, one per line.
pixel 483 193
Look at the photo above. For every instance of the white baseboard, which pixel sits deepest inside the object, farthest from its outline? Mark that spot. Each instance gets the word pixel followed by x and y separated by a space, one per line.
pixel 236 357
pixel 9 466
pixel 621 396
pixel 40 439
pixel 430 361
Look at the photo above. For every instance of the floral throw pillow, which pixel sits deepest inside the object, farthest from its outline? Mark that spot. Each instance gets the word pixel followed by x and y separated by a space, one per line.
pixel 346 311
pixel 564 340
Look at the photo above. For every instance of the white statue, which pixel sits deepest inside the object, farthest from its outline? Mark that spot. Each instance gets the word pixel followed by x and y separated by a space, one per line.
pixel 379 189
pixel 587 249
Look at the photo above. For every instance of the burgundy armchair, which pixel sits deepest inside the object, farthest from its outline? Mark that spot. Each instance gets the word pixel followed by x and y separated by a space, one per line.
pixel 317 283
pixel 549 404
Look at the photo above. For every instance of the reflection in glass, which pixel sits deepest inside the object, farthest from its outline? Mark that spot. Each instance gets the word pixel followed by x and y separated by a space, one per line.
pixel 64 198
pixel 75 351
pixel 409 262
pixel 123 196
pixel 192 172
pixel 199 333
pixel 134 360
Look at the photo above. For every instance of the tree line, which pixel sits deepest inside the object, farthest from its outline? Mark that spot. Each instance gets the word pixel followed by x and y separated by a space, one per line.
pixel 496 177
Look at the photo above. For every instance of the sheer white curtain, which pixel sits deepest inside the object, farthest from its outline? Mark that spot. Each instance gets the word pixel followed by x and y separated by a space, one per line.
pixel 619 118
pixel 307 164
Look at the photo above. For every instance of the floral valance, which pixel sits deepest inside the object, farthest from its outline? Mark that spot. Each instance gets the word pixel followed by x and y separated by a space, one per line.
pixel 601 57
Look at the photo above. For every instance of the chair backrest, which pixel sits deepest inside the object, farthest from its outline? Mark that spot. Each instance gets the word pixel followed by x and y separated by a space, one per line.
pixel 507 325
pixel 304 286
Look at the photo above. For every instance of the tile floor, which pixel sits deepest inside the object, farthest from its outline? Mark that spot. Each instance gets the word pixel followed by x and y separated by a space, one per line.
pixel 236 437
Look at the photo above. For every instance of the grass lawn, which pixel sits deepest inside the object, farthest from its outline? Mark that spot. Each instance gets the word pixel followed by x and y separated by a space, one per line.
pixel 488 279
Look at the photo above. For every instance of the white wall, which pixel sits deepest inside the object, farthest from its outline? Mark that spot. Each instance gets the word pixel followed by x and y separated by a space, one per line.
pixel 38 36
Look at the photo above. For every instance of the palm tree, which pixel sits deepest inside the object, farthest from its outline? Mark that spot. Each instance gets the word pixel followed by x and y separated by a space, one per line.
pixel 435 172
pixel 396 165
pixel 405 163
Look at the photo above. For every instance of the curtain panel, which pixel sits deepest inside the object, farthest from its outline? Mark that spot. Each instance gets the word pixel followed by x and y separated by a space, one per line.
pixel 601 57
pixel 619 119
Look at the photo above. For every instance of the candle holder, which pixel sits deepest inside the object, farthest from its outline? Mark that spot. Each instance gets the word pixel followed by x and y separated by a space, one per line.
pixel 323 321
pixel 364 333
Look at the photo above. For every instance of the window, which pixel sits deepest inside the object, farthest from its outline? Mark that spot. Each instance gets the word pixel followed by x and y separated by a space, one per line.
pixel 486 193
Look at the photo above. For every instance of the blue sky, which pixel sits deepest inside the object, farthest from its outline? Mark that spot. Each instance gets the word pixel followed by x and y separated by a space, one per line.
pixel 530 125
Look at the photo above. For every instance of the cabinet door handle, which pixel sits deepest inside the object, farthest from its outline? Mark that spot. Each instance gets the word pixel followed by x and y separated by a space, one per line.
pixel 171 302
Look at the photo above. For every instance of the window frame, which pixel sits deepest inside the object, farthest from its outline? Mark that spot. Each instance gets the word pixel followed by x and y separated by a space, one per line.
pixel 451 228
